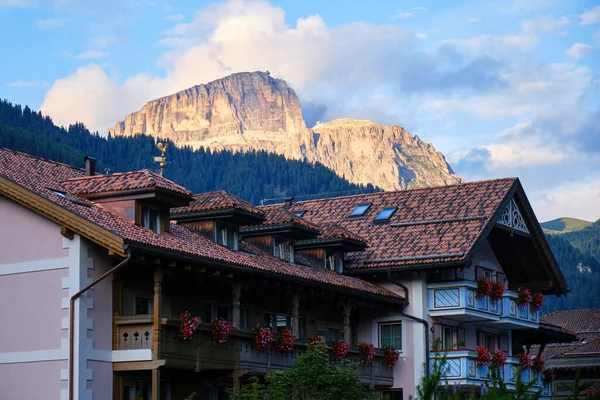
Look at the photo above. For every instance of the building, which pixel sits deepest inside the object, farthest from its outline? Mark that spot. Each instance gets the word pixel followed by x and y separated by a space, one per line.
pixel 563 359
pixel 393 268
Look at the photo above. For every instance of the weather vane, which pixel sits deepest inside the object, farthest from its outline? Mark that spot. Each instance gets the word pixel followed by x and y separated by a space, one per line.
pixel 162 161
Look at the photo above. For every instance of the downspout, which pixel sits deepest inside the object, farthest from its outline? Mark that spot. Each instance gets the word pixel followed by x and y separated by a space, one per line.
pixel 413 318
pixel 72 319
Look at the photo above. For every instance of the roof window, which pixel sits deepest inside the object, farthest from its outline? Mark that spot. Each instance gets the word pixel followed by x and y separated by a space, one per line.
pixel 300 213
pixel 360 210
pixel 385 214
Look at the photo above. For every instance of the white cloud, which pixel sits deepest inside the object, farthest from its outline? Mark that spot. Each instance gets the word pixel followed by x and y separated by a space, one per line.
pixel 399 14
pixel 579 199
pixel 50 23
pixel 92 54
pixel 27 84
pixel 421 35
pixel 578 50
pixel 591 17
pixel 546 24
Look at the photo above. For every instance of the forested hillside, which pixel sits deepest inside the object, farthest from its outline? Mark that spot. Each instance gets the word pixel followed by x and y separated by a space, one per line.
pixel 587 240
pixel 252 176
pixel 582 272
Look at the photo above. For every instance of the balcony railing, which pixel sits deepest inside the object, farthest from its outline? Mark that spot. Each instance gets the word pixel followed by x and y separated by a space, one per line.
pixel 201 353
pixel 461 368
pixel 457 300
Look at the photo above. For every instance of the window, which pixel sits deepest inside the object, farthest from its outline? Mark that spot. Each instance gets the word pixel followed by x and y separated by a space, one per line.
pixel 334 262
pixel 392 395
pixel 302 327
pixel 448 337
pixel 211 311
pixel 283 249
pixel 489 340
pixel 300 213
pixel 490 274
pixel 227 235
pixel 278 322
pixel 385 214
pixel 360 210
pixel 143 306
pixel 151 218
pixel 390 335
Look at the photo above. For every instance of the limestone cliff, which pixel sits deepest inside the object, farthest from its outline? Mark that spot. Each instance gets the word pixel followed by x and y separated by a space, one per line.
pixel 254 111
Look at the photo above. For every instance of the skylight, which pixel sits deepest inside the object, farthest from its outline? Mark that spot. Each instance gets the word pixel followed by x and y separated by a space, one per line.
pixel 360 210
pixel 385 214
pixel 300 213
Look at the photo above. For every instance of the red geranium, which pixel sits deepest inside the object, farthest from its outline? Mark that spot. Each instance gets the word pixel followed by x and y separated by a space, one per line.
pixel 537 299
pixel 538 364
pixel 591 391
pixel 340 349
pixel 315 341
pixel 548 376
pixel 368 352
pixel 497 291
pixel 524 296
pixel 391 356
pixel 524 360
pixel 189 325
pixel 484 287
pixel 499 358
pixel 286 341
pixel 483 355
pixel 221 331
pixel 263 339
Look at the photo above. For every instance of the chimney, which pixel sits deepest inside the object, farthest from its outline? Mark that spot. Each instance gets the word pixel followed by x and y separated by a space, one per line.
pixel 90 166
pixel 288 202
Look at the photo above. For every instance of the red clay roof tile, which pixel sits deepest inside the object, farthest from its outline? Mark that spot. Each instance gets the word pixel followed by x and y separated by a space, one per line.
pixel 217 200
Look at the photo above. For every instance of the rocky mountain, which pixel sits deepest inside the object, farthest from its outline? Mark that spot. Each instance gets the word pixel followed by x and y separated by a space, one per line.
pixel 254 111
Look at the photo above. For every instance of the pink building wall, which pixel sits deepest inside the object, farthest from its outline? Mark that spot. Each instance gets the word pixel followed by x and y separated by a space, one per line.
pixel 36 380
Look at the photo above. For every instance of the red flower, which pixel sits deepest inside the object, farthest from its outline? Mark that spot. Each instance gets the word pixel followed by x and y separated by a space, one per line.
pixel 368 352
pixel 548 376
pixel 286 341
pixel 524 360
pixel 391 356
pixel 537 365
pixel 340 349
pixel 483 355
pixel 537 299
pixel 263 339
pixel 484 287
pixel 524 296
pixel 591 391
pixel 189 325
pixel 497 291
pixel 315 341
pixel 221 330
pixel 499 358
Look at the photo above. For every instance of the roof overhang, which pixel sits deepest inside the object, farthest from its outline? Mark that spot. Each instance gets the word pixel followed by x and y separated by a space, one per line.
pixel 341 244
pixel 292 230
pixel 241 217
pixel 171 198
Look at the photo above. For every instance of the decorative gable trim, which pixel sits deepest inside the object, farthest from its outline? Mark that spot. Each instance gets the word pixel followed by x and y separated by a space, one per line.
pixel 512 218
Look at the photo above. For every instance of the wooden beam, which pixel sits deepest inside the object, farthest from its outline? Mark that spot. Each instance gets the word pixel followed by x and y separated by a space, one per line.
pixel 229 275
pixel 538 286
pixel 138 365
pixel 156 261
pixel 188 267
pixel 141 257
pixel 216 273
pixel 201 270
pixel 171 264
pixel 66 232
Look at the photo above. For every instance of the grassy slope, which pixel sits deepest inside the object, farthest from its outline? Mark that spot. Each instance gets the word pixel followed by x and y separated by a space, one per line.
pixel 564 225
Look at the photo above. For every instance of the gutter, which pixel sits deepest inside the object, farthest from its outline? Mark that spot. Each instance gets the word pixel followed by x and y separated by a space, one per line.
pixel 72 319
pixel 413 318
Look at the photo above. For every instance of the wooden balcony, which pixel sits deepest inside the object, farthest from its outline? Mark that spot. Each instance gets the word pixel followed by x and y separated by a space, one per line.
pixel 456 300
pixel 462 369
pixel 201 353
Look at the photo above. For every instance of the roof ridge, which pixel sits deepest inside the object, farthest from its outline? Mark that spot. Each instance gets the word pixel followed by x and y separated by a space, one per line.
pixel 41 159
pixel 405 190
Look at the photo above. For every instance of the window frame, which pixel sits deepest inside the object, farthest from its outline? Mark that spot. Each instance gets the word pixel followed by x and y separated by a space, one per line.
pixel 334 255
pixel 391 323
pixel 150 305
pixel 378 220
pixel 145 217
pixel 226 230
pixel 277 249
pixel 355 214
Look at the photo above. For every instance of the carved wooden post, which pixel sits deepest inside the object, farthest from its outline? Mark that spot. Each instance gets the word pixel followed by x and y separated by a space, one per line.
pixel 296 314
pixel 237 293
pixel 347 309
pixel 156 327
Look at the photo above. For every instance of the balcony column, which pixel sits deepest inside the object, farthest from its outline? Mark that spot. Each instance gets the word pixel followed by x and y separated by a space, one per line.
pixel 237 293
pixel 347 310
pixel 156 327
pixel 296 314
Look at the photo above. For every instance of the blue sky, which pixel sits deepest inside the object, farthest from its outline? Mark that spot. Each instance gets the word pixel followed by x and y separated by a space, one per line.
pixel 501 87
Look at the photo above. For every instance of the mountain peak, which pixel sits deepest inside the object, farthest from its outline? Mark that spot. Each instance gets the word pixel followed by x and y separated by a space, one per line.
pixel 253 111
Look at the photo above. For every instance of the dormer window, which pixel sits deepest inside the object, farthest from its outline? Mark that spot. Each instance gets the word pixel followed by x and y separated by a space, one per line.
pixel 300 213
pixel 360 210
pixel 226 235
pixel 151 218
pixel 385 214
pixel 283 249
pixel 334 261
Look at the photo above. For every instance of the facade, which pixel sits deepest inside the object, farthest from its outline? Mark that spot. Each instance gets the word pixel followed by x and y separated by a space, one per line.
pixel 563 359
pixel 393 269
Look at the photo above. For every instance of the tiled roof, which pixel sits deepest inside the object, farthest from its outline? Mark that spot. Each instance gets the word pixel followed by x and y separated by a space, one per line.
pixel 431 225
pixel 335 231
pixel 217 200
pixel 577 321
pixel 278 215
pixel 121 182
pixel 45 179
